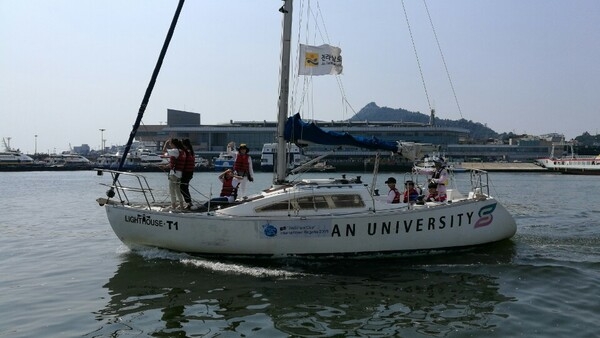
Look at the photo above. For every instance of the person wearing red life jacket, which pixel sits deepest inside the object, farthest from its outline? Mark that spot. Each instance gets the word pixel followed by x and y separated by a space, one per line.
pixel 188 173
pixel 433 195
pixel 242 166
pixel 410 193
pixel 393 195
pixel 229 189
pixel 177 157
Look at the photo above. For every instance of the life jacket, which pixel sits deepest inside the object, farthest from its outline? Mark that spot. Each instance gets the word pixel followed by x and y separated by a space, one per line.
pixel 433 197
pixel 411 195
pixel 241 165
pixel 396 195
pixel 228 188
pixel 177 163
pixel 438 173
pixel 190 162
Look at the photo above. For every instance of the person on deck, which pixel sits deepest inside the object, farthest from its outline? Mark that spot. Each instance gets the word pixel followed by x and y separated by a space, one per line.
pixel 229 188
pixel 177 157
pixel 410 193
pixel 432 195
pixel 393 195
pixel 440 177
pixel 188 173
pixel 242 166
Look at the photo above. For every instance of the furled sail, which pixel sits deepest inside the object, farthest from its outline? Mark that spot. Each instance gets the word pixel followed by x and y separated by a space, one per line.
pixel 301 132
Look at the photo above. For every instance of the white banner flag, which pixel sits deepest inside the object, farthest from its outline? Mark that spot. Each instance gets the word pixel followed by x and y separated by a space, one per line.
pixel 320 60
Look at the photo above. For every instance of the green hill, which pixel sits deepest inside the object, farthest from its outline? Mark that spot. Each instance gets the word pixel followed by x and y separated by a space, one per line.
pixel 372 112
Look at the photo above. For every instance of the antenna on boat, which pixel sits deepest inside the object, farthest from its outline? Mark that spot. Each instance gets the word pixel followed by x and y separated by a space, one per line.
pixel 111 193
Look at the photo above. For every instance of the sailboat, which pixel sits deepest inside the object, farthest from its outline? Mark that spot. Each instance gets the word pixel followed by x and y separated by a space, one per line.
pixel 311 217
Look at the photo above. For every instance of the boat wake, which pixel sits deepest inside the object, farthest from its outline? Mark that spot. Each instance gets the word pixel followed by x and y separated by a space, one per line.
pixel 240 269
pixel 230 267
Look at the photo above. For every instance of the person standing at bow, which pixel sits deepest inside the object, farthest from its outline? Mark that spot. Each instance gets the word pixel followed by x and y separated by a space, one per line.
pixel 440 177
pixel 177 157
pixel 242 166
pixel 188 173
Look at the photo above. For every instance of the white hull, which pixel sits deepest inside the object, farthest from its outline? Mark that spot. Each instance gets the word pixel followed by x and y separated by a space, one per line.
pixel 14 158
pixel 571 164
pixel 583 164
pixel 238 230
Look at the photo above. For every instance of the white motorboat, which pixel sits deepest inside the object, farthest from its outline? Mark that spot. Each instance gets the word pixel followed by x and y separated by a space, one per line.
pixel 341 216
pixel 426 165
pixel 13 158
pixel 571 163
pixel 139 160
pixel 201 163
pixel 268 156
pixel 68 161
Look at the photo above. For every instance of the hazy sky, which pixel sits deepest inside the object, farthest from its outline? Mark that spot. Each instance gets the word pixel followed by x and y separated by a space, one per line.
pixel 69 68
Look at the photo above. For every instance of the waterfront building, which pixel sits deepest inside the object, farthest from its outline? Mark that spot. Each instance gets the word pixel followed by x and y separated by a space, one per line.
pixel 210 140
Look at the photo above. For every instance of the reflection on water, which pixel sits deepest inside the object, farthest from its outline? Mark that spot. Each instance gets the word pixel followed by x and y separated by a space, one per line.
pixel 164 294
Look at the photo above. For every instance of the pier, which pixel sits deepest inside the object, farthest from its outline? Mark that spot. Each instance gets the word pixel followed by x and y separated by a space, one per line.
pixel 504 167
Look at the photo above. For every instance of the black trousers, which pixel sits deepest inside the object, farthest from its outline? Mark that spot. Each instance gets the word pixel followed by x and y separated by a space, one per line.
pixel 184 186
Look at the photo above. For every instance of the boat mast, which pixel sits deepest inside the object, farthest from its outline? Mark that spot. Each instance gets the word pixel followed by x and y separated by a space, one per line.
pixel 284 85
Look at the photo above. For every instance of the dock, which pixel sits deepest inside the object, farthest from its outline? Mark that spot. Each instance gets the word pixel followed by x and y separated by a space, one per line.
pixel 504 167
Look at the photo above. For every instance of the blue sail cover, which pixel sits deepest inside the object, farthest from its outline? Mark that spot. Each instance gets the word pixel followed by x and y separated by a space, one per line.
pixel 298 131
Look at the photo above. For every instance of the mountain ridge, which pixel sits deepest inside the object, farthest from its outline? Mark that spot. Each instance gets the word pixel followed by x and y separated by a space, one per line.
pixel 372 112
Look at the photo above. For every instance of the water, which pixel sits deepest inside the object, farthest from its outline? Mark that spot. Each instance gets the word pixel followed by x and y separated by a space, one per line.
pixel 65 274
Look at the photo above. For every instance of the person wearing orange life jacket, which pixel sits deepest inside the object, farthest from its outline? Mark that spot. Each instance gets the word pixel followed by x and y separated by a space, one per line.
pixel 393 195
pixel 440 177
pixel 177 157
pixel 242 166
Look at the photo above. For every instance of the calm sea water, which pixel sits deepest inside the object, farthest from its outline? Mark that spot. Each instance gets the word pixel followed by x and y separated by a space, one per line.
pixel 65 274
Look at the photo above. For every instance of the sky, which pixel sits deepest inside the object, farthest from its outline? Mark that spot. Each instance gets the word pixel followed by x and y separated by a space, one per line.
pixel 69 68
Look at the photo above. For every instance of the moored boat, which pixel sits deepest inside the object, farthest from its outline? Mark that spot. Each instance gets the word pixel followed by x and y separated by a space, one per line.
pixel 139 160
pixel 14 159
pixel 268 157
pixel 571 163
pixel 223 161
pixel 426 165
pixel 68 161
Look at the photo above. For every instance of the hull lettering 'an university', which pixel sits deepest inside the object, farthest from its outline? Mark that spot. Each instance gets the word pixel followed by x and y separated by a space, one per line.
pixel 405 226
pixel 148 220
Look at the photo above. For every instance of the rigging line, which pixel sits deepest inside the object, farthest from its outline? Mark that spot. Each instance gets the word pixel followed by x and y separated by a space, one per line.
pixel 320 16
pixel 338 78
pixel 296 104
pixel 416 55
pixel 321 31
pixel 443 58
